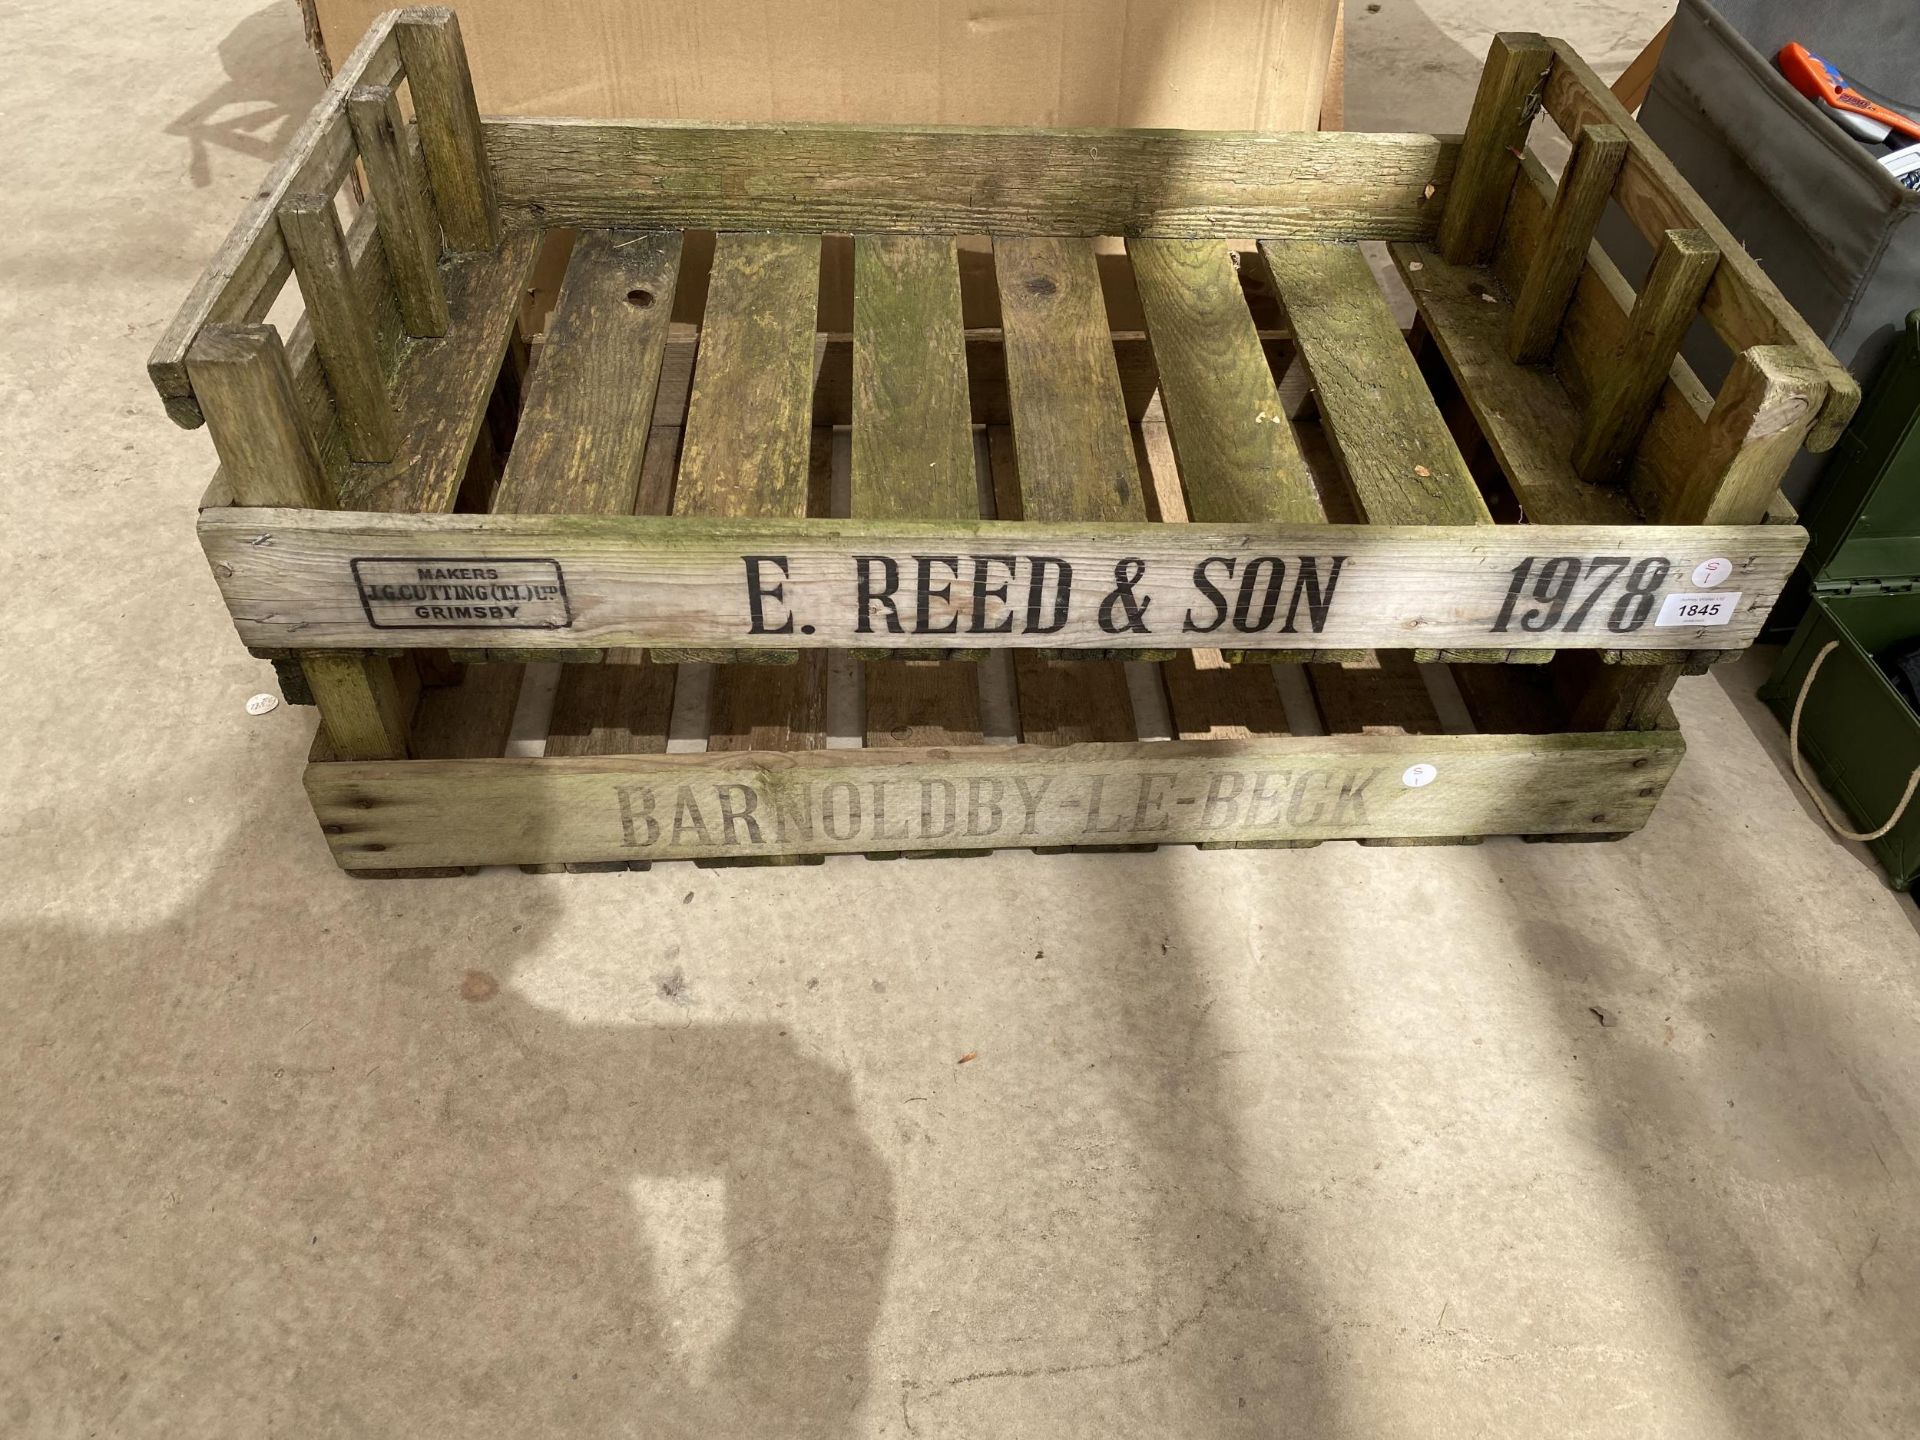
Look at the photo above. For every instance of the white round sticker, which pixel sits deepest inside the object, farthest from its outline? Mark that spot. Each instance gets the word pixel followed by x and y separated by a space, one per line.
pixel 1417 775
pixel 260 704
pixel 1712 572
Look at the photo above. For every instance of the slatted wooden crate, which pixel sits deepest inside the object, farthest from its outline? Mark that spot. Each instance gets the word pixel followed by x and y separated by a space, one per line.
pixel 1051 540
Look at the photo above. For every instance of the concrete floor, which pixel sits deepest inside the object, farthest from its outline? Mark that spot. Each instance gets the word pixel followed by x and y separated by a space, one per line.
pixel 1319 1143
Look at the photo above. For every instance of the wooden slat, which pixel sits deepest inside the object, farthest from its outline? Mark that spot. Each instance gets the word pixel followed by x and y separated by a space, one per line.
pixel 1207 697
pixel 913 457
pixel 632 580
pixel 757 706
pixel 745 450
pixel 1072 457
pixel 1742 304
pixel 957 180
pixel 1591 330
pixel 582 438
pixel 1629 384
pixel 1381 695
pixel 342 321
pixel 1069 419
pixel 912 437
pixel 260 432
pixel 441 391
pixel 366 703
pixel 1315 788
pixel 409 230
pixel 622 707
pixel 1758 424
pixel 1381 417
pixel 246 273
pixel 1235 450
pixel 1578 205
pixel 1058 702
pixel 443 100
pixel 1522 409
pixel 1504 105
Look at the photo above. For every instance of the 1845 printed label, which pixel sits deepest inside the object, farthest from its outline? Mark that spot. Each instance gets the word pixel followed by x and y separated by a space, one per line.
pixel 462 594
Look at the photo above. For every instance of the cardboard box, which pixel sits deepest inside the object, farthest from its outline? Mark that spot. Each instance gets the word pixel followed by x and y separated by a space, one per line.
pixel 1191 64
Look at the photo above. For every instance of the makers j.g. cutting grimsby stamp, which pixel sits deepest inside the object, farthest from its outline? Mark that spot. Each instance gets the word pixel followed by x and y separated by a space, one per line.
pixel 462 593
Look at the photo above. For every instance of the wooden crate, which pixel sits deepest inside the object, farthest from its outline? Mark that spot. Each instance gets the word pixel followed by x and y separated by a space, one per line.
pixel 1178 538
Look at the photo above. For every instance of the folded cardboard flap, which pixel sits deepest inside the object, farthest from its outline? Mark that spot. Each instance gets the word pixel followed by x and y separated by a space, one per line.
pixel 1190 64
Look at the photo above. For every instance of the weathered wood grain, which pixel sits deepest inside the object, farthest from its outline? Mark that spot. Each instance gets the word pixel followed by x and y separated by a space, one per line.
pixel 745 449
pixel 1504 105
pixel 584 426
pixel 912 435
pixel 1072 457
pixel 342 321
pixel 656 807
pixel 1378 412
pixel 246 273
pixel 1521 409
pixel 1759 422
pixel 956 180
pixel 1232 444
pixel 1578 204
pixel 1070 438
pixel 449 118
pixel 441 391
pixel 366 703
pixel 632 580
pixel 266 446
pixel 1629 382
pixel 1742 304
pixel 912 457
pixel 1592 328
pixel 409 229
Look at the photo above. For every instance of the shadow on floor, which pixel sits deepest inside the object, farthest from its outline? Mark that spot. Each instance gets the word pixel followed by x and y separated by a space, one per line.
pixel 1745 1101
pixel 272 82
pixel 277 1170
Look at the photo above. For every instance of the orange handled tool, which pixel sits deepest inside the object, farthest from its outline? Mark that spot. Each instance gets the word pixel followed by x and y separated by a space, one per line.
pixel 1824 85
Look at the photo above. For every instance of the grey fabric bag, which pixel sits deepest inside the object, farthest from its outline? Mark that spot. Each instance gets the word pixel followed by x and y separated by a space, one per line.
pixel 1831 227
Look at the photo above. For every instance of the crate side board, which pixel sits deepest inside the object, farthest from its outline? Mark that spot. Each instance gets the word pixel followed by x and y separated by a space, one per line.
pixel 347 580
pixel 935 179
pixel 657 807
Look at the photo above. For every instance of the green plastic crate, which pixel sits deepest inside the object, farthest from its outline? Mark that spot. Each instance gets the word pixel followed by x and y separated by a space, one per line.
pixel 1858 735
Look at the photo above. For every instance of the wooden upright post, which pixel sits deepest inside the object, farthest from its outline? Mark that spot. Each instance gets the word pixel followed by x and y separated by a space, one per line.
pixel 409 230
pixel 1503 111
pixel 442 86
pixel 244 385
pixel 342 329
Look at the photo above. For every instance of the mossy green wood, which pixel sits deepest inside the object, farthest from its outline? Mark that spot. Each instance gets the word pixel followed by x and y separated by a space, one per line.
pixel 1379 413
pixel 343 328
pixel 745 451
pixel 1629 381
pixel 1578 204
pixel 912 441
pixel 409 229
pixel 967 180
pixel 648 807
pixel 1231 439
pixel 1070 435
pixel 442 388
pixel 584 427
